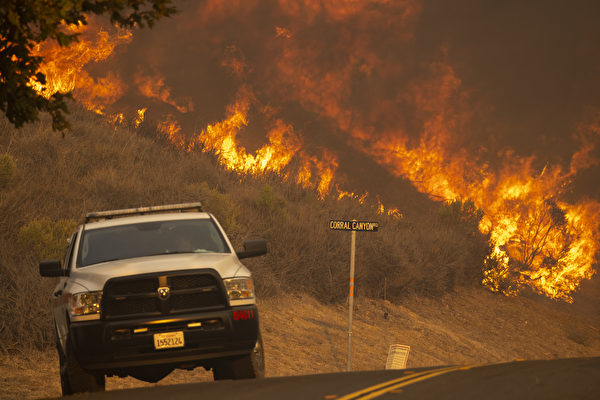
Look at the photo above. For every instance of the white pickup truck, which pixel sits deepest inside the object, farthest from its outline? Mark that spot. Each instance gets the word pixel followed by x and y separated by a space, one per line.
pixel 144 291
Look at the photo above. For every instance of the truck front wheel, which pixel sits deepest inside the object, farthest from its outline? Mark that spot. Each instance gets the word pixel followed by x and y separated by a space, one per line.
pixel 246 367
pixel 73 378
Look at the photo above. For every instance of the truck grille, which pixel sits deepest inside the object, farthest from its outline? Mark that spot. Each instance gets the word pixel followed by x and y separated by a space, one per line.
pixel 138 296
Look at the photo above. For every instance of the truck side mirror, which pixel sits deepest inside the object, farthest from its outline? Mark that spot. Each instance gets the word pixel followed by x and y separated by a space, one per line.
pixel 51 268
pixel 253 248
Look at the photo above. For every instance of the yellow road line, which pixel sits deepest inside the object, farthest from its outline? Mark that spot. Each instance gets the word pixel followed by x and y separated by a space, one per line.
pixel 409 378
pixel 378 393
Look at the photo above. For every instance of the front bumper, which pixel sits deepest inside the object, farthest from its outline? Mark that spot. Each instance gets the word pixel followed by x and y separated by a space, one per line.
pixel 113 346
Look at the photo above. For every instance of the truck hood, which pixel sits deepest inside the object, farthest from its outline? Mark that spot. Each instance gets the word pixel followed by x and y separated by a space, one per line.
pixel 95 276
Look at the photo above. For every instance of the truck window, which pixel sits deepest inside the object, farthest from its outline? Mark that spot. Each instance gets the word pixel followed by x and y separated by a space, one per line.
pixel 149 239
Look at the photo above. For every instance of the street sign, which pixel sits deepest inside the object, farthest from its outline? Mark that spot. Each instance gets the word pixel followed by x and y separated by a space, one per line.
pixel 353 226
pixel 360 226
pixel 397 356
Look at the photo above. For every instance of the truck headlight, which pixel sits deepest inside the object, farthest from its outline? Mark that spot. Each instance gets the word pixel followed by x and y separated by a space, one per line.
pixel 86 303
pixel 239 288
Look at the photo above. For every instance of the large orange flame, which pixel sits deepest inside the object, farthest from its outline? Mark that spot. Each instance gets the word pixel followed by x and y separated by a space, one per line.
pixel 153 87
pixel 283 146
pixel 538 240
pixel 64 67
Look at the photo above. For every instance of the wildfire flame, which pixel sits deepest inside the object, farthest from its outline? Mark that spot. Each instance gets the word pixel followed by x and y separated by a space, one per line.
pixel 283 146
pixel 64 67
pixel 538 239
pixel 153 87
pixel 140 116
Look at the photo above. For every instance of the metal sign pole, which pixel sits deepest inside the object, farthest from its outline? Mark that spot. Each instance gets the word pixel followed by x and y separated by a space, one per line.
pixel 354 225
pixel 351 299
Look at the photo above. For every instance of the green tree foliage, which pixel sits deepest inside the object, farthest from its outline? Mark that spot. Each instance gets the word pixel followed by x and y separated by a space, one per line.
pixel 25 23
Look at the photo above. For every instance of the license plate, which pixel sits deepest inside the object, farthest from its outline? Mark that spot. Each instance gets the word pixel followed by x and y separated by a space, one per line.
pixel 168 340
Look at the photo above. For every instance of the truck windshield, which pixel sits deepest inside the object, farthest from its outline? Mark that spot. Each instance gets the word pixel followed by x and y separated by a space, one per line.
pixel 148 239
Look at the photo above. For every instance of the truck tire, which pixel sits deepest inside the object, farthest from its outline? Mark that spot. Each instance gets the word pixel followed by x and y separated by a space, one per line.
pixel 247 367
pixel 150 374
pixel 73 378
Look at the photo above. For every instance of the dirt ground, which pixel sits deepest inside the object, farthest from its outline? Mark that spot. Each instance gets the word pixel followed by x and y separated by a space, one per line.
pixel 302 336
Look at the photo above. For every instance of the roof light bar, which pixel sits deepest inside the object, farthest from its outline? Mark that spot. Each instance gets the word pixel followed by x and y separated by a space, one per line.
pixel 183 207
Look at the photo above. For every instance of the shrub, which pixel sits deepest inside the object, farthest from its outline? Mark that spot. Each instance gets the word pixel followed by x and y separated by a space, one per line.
pixel 44 238
pixel 270 203
pixel 25 313
pixel 464 214
pixel 221 206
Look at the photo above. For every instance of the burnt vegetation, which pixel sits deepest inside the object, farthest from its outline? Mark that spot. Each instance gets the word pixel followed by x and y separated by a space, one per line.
pixel 49 182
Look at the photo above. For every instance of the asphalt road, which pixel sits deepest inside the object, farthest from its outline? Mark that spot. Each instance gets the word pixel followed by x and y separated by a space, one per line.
pixel 577 378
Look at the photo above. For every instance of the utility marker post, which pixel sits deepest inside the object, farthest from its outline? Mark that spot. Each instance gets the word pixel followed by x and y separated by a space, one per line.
pixel 362 226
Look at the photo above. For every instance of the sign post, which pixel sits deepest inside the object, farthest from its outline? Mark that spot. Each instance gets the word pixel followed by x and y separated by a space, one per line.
pixel 351 299
pixel 353 226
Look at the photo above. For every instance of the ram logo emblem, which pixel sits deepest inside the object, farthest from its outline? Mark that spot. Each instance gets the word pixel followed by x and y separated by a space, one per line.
pixel 164 292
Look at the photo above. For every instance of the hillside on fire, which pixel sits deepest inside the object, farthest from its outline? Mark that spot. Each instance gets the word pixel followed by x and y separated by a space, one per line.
pixel 426 251
pixel 468 130
pixel 370 100
pixel 419 278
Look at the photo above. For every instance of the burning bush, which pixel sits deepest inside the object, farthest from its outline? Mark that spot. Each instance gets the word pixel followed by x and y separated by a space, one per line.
pixel 543 254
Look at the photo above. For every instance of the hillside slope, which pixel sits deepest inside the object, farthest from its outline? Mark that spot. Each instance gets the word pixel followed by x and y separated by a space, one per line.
pixel 303 336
